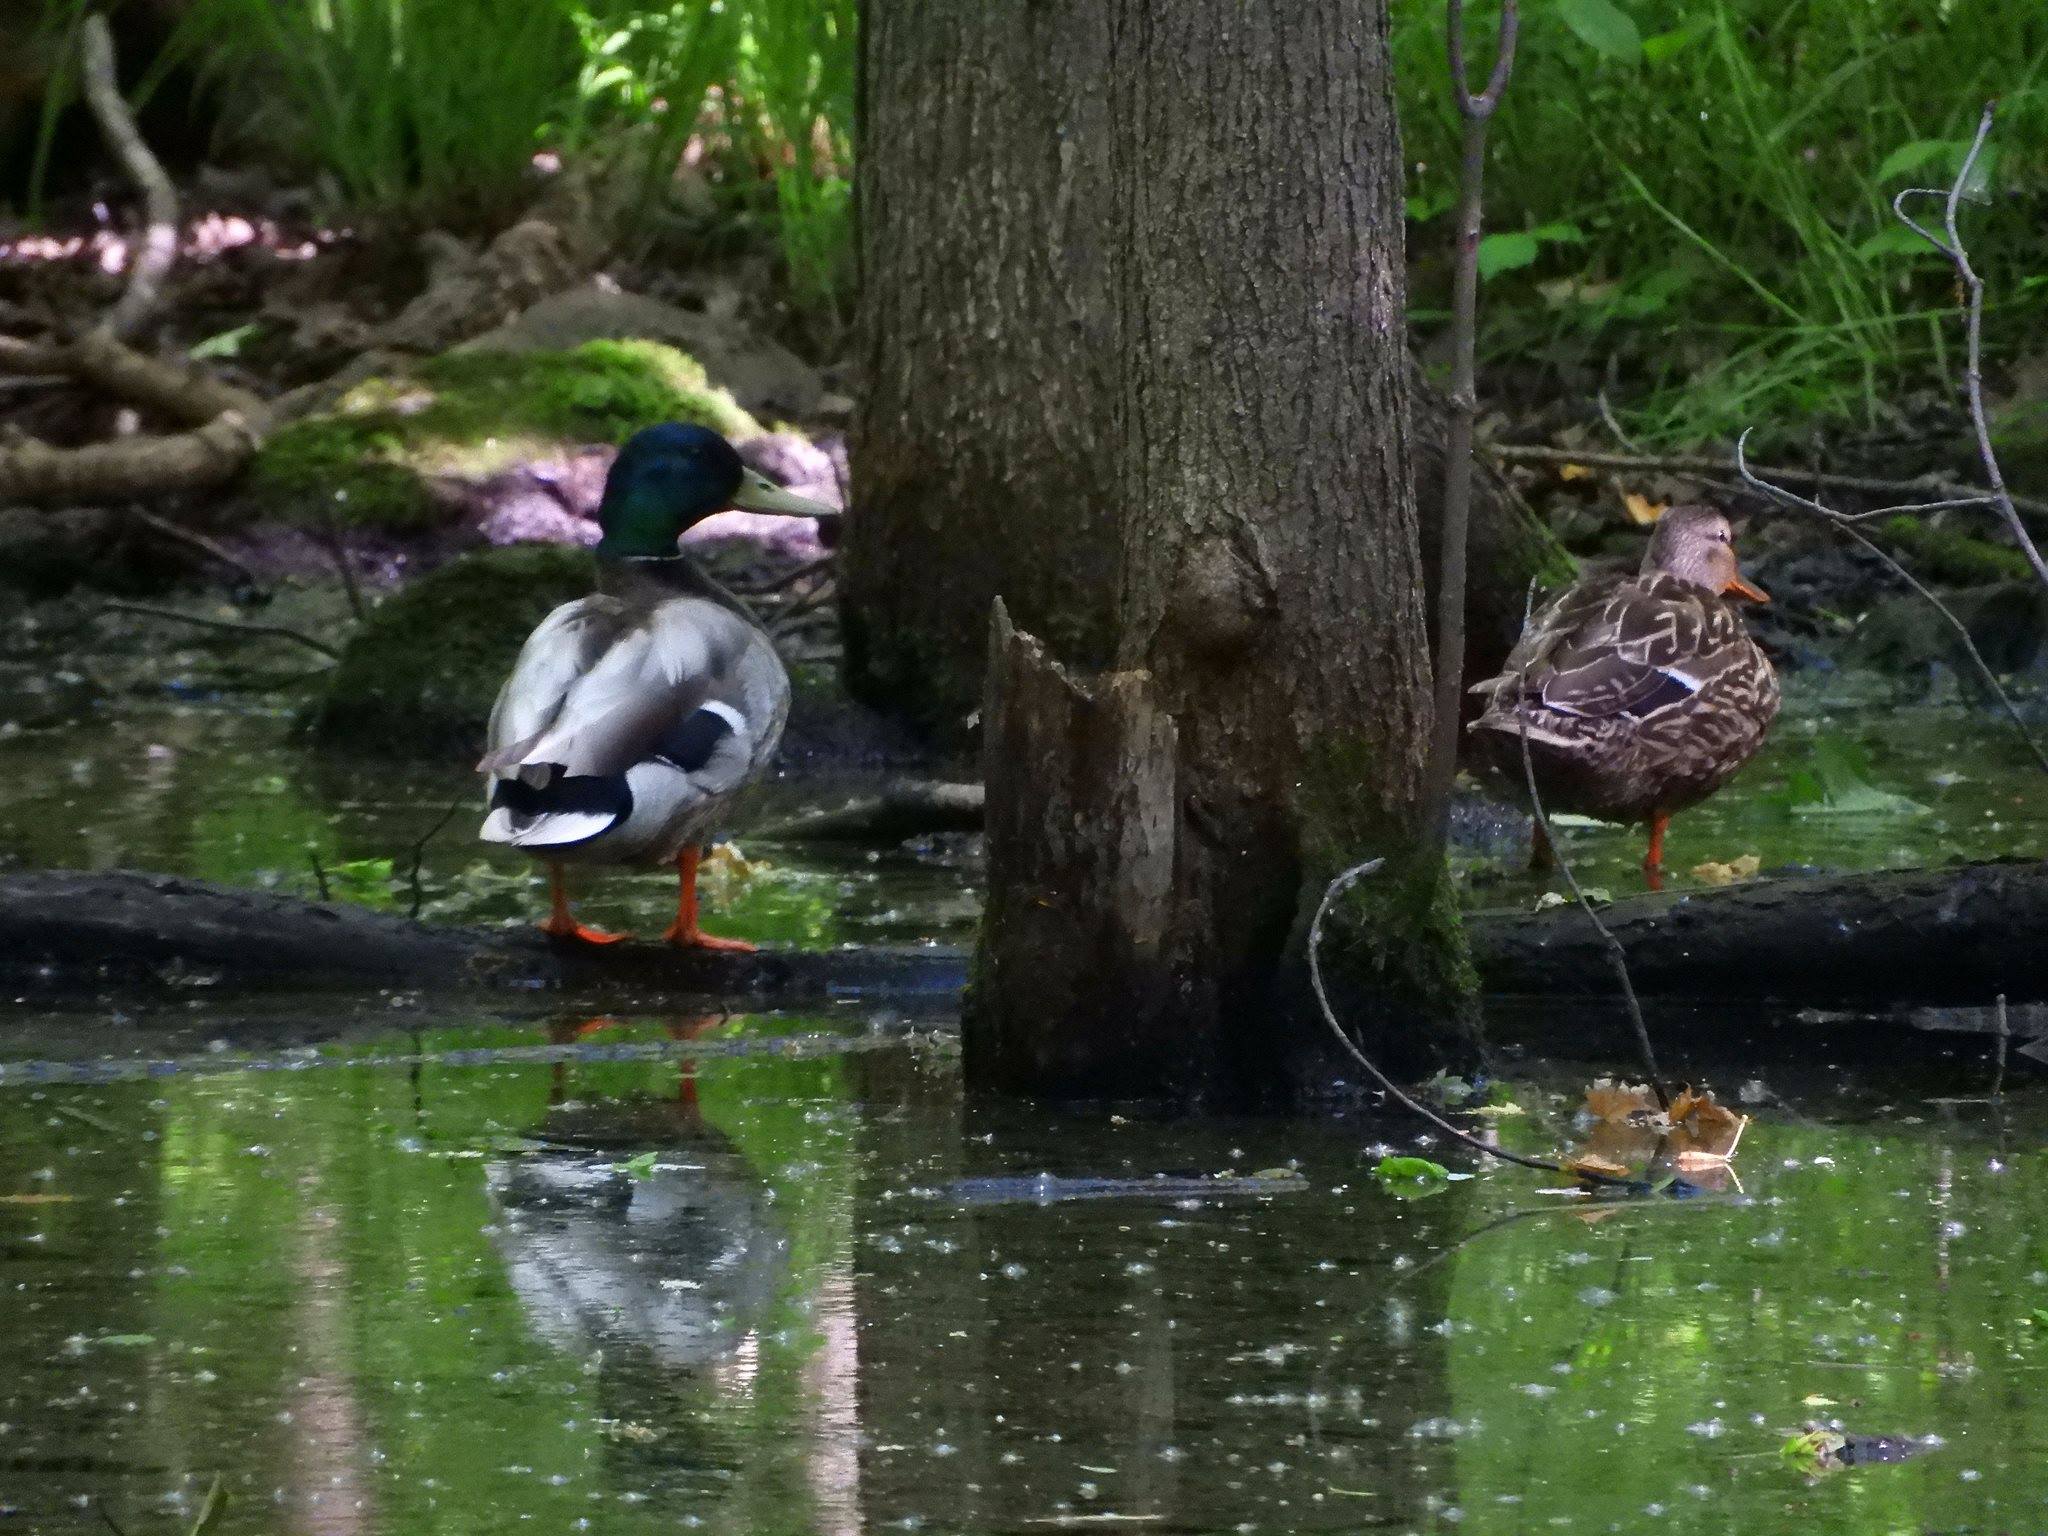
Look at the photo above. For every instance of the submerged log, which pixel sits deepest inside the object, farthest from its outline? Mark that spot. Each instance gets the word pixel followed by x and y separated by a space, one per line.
pixel 1898 940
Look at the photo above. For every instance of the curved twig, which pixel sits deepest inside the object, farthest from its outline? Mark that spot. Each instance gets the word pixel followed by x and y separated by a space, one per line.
pixel 157 250
pixel 1336 888
pixel 232 626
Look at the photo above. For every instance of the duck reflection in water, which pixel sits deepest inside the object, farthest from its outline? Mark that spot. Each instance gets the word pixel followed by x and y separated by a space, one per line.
pixel 675 1262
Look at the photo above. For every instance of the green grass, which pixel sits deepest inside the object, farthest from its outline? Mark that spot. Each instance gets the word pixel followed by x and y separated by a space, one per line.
pixel 1726 168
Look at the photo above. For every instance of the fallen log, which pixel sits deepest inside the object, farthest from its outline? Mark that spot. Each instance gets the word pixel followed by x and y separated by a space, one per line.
pixel 1910 937
pixel 63 932
pixel 1894 941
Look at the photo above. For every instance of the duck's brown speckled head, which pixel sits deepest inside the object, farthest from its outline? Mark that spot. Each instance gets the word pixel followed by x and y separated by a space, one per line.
pixel 1695 544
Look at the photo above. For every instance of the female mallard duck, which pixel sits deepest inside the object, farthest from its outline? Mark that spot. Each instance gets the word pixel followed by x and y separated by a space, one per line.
pixel 1642 694
pixel 633 716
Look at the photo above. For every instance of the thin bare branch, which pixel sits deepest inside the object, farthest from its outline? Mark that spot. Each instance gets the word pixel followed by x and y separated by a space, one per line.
pixel 1958 256
pixel 1617 957
pixel 1785 474
pixel 1847 525
pixel 157 250
pixel 192 539
pixel 232 626
pixel 1449 661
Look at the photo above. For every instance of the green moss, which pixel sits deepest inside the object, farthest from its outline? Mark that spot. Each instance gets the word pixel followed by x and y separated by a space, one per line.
pixel 372 458
pixel 421 674
pixel 1947 556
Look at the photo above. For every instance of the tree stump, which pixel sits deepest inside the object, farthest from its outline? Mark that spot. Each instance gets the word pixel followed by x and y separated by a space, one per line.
pixel 1073 980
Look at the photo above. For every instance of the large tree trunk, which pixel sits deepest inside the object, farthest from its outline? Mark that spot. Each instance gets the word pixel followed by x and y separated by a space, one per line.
pixel 1138 264
pixel 990 189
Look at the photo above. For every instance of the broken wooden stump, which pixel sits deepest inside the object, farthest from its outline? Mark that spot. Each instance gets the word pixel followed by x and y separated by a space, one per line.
pixel 1073 989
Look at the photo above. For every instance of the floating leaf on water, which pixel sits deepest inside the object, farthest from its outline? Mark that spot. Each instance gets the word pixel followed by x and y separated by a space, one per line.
pixel 126 1340
pixel 37 1199
pixel 1593 1163
pixel 1838 784
pixel 1412 1172
pixel 2039 1318
pixel 1742 868
pixel 640 1166
pixel 1610 1100
pixel 1815 1400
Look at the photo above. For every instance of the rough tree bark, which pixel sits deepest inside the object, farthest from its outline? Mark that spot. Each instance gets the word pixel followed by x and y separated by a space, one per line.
pixel 989 210
pixel 1134 287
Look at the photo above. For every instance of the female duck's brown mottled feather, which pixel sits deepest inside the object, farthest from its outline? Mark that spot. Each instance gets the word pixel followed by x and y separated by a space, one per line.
pixel 1640 694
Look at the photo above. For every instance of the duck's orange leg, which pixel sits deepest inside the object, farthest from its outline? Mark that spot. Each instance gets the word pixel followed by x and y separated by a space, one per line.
pixel 684 930
pixel 560 924
pixel 1653 861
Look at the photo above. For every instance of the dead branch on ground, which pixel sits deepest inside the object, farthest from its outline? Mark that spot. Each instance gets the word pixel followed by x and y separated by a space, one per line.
pixel 227 423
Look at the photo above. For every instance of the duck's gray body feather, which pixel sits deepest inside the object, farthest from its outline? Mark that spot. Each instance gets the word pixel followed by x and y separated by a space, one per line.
pixel 630 722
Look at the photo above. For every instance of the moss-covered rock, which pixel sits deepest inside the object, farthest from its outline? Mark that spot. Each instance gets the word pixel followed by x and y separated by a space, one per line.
pixel 421 673
pixel 373 458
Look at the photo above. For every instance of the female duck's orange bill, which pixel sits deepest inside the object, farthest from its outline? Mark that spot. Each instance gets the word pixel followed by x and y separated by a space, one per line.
pixel 1742 588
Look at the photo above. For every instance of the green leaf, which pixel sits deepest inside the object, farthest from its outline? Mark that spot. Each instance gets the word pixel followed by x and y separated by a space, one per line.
pixel 1506 252
pixel 640 1166
pixel 1908 158
pixel 210 1512
pixel 1411 1170
pixel 226 344
pixel 1560 233
pixel 1424 206
pixel 1839 786
pixel 1895 241
pixel 1604 27
pixel 1669 45
pixel 126 1340
pixel 2039 1317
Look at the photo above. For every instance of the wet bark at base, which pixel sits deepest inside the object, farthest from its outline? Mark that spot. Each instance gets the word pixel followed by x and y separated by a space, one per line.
pixel 1195 216
pixel 1073 990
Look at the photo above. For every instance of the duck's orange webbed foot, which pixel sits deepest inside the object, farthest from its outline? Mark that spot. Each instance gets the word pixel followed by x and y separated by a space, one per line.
pixel 559 924
pixel 571 929
pixel 696 938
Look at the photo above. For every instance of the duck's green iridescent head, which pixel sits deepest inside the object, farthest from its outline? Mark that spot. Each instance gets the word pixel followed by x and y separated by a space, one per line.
pixel 668 478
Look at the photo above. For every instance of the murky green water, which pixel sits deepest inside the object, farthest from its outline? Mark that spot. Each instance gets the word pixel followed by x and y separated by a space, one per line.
pixel 651 1286
pixel 464 1275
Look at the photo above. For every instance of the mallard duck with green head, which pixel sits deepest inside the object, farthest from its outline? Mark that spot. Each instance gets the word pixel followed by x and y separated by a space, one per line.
pixel 634 716
pixel 1639 693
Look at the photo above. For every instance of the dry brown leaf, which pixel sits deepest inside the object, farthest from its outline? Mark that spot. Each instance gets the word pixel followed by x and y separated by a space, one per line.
pixel 1742 868
pixel 1574 472
pixel 1641 510
pixel 1609 1100
pixel 1590 1162
pixel 37 1199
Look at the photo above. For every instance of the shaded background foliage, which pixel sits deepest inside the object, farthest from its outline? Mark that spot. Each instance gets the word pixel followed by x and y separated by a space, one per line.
pixel 1688 197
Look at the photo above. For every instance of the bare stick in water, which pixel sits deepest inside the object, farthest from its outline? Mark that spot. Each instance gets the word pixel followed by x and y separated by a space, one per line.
pixel 1450 584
